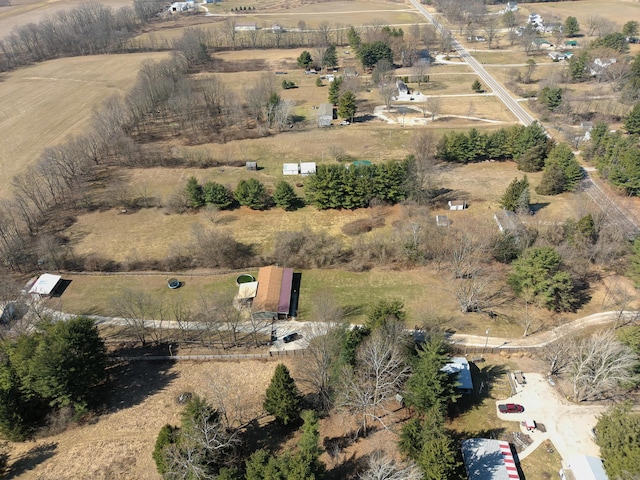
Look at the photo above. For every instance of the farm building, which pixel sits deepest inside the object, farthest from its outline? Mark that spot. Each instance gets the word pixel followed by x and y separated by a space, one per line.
pixel 242 27
pixel 290 169
pixel 307 168
pixel 457 204
pixel 442 221
pixel 253 166
pixel 402 87
pixel 487 459
pixel 583 467
pixel 325 115
pixel 274 296
pixel 181 6
pixel 45 285
pixel 460 366
pixel 508 222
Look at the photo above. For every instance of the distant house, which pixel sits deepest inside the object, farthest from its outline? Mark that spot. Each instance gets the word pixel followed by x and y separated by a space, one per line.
pixel 240 27
pixel 276 28
pixel 181 6
pixel 571 43
pixel 476 38
pixel 273 297
pixel 402 87
pixel 290 169
pixel 307 168
pixel 599 65
pixel 510 7
pixel 553 27
pixel 457 204
pixel 541 43
pixel 583 467
pixel 557 56
pixel 488 459
pixel 325 115
pixel 586 128
pixel 460 366
pixel 534 19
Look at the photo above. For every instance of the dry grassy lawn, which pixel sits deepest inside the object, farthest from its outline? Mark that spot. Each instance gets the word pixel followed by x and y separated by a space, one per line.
pixel 619 11
pixel 42 104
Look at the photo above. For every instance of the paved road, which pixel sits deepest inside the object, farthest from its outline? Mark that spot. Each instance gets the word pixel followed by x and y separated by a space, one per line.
pixel 520 113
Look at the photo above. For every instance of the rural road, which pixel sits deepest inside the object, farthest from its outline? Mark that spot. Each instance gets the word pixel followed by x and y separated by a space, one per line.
pixel 520 113
pixel 308 330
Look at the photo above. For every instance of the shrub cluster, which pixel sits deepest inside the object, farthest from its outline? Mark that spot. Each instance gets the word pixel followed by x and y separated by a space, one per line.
pixel 528 146
pixel 342 186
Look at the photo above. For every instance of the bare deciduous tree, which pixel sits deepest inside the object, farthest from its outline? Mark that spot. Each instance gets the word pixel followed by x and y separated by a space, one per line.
pixel 381 466
pixel 142 314
pixel 377 377
pixel 434 104
pixel 600 366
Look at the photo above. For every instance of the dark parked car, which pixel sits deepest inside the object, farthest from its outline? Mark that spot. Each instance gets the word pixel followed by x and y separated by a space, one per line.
pixel 510 408
pixel 289 338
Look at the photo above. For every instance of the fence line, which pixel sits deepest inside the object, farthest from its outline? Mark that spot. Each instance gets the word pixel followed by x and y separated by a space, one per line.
pixel 230 356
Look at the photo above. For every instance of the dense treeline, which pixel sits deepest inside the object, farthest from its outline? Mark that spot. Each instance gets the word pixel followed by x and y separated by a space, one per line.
pixel 355 186
pixel 617 157
pixel 57 366
pixel 528 146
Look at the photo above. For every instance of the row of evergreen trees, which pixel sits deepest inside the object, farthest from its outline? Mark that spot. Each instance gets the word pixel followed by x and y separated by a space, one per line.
pixel 528 146
pixel 354 186
pixel 250 193
pixel 617 158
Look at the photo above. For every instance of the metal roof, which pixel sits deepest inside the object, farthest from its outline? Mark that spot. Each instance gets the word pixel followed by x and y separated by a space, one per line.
pixel 45 284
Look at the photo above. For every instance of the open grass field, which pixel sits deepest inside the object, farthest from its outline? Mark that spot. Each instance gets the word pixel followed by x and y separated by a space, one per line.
pixel 42 104
pixel 619 11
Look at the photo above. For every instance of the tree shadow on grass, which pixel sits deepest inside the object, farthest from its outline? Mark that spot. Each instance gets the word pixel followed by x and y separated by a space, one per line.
pixel 134 380
pixel 345 469
pixel 483 378
pixel 30 459
pixel 270 436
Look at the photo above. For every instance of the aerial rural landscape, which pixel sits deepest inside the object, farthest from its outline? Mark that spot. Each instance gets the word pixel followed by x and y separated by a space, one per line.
pixel 310 239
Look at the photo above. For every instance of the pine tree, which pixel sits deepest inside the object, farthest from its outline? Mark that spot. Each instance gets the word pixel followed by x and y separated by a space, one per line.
pixel 347 106
pixel 217 194
pixel 516 198
pixel 282 398
pixel 195 193
pixel 571 26
pixel 284 196
pixel 330 57
pixel 632 121
pixel 334 90
pixel 304 60
pixel 252 194
pixel 476 86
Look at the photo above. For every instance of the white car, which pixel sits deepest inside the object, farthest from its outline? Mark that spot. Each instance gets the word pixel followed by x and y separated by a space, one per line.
pixel 344 122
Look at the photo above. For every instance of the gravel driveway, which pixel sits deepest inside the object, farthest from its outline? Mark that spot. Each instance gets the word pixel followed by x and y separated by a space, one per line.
pixel 568 425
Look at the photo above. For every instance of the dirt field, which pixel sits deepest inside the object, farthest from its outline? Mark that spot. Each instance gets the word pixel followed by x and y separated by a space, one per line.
pixel 33 115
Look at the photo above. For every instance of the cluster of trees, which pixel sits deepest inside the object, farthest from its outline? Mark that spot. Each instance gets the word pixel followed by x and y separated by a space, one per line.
pixel 540 277
pixel 84 30
pixel 57 366
pixel 325 58
pixel 562 172
pixel 527 146
pixel 354 186
pixel 249 192
pixel 619 442
pixel 617 158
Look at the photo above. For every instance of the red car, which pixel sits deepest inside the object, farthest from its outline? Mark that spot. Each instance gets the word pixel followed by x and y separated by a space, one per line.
pixel 510 408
